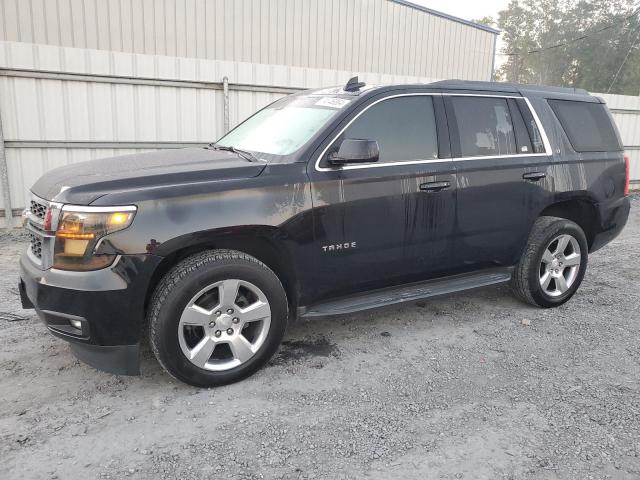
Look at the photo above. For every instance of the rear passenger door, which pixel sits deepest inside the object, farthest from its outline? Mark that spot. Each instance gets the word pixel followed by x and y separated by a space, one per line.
pixel 503 174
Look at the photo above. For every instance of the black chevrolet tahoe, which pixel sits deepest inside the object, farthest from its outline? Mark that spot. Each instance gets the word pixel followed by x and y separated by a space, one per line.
pixel 325 202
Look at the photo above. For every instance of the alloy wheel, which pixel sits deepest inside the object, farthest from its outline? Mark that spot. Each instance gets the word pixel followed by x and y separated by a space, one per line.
pixel 224 325
pixel 560 265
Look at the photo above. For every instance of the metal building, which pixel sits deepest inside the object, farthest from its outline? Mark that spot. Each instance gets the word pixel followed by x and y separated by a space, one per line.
pixel 84 79
pixel 378 36
pixel 626 113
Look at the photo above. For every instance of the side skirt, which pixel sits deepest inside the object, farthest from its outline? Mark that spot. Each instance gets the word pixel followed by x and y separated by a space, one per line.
pixel 406 293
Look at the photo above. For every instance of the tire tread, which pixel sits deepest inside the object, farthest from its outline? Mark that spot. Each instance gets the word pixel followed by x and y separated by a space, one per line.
pixel 542 227
pixel 176 275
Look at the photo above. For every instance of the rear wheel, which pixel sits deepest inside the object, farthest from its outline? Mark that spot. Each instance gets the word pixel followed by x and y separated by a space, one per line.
pixel 217 317
pixel 553 264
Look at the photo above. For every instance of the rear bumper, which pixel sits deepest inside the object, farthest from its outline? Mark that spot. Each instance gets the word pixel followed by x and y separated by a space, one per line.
pixel 614 217
pixel 100 313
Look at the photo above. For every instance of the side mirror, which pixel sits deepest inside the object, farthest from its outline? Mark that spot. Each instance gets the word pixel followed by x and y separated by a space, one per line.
pixel 353 150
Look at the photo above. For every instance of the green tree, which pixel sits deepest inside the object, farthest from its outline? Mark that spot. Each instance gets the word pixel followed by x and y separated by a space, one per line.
pixel 592 44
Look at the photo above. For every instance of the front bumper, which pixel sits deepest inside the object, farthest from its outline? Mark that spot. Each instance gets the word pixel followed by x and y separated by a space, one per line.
pixel 100 312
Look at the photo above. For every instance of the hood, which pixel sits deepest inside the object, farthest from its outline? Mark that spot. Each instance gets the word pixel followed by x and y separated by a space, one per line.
pixel 83 183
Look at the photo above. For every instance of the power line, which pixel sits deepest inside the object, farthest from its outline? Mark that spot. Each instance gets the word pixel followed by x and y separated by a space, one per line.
pixel 633 44
pixel 574 40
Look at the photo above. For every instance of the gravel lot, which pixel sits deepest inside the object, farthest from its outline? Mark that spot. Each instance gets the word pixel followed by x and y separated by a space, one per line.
pixel 475 385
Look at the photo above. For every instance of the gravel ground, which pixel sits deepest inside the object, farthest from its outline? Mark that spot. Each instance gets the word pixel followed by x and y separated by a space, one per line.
pixel 475 385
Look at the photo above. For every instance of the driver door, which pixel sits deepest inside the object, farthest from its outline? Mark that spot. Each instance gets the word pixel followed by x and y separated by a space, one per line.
pixel 385 223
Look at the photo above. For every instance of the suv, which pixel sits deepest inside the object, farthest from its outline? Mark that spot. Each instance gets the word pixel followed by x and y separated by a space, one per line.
pixel 325 202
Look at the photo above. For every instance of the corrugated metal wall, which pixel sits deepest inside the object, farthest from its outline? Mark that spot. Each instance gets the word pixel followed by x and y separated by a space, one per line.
pixel 62 105
pixel 83 79
pixel 364 35
pixel 626 112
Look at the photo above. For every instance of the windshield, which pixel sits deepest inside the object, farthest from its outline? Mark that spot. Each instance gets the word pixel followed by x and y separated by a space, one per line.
pixel 285 126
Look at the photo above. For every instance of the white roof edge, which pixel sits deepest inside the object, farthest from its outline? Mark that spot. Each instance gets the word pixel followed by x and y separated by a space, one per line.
pixel 469 23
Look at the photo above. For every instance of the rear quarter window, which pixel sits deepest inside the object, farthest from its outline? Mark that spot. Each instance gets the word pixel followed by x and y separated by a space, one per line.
pixel 587 125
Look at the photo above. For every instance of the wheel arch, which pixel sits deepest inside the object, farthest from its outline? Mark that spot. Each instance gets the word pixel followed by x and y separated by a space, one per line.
pixel 262 242
pixel 581 210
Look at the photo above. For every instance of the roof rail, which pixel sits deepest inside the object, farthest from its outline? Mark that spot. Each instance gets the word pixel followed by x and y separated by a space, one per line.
pixel 505 86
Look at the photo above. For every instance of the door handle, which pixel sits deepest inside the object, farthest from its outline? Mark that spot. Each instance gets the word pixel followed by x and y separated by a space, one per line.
pixel 434 186
pixel 534 176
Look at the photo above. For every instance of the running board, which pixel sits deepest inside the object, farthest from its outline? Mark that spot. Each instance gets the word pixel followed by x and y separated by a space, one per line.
pixel 406 293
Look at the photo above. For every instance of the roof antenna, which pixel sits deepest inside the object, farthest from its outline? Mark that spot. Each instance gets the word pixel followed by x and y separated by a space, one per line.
pixel 353 85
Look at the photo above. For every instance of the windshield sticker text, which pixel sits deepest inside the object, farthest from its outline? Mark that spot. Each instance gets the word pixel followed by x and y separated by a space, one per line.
pixel 332 102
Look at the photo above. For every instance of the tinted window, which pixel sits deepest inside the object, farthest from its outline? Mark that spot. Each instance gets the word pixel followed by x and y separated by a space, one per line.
pixel 587 125
pixel 532 127
pixel 484 125
pixel 523 141
pixel 404 127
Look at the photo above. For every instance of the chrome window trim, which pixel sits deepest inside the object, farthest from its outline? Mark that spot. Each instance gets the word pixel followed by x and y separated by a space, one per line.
pixel 453 94
pixel 543 134
pixel 545 140
pixel 376 165
pixel 513 155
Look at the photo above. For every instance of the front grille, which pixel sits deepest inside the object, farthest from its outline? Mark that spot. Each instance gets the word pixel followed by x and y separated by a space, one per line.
pixel 38 238
pixel 38 209
pixel 36 245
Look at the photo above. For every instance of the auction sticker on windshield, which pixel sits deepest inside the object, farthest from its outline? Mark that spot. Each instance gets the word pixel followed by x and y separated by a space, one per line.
pixel 332 102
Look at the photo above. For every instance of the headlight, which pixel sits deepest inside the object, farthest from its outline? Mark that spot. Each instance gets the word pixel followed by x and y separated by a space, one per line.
pixel 80 229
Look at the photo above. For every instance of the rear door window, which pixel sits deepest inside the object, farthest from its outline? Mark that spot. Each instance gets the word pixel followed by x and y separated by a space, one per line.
pixel 587 125
pixel 484 126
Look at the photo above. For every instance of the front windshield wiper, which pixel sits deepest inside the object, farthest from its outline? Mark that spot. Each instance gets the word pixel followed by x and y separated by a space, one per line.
pixel 250 157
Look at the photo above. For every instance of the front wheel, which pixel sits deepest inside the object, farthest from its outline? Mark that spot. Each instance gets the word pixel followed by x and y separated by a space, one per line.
pixel 217 317
pixel 553 264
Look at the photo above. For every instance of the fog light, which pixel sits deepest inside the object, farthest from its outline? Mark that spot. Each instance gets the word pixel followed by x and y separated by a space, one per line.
pixel 76 324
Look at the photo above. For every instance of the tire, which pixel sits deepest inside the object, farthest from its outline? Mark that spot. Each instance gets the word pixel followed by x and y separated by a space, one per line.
pixel 530 281
pixel 187 320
